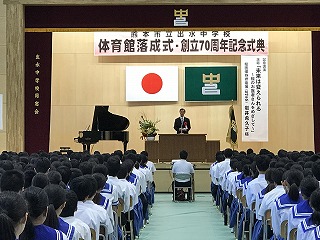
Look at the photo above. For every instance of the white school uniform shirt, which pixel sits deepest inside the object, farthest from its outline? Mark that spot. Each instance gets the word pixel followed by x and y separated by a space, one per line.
pixel 231 183
pixel 222 168
pixel 279 211
pixel 254 187
pixel 109 192
pixel 212 170
pixel 297 214
pixel 147 173
pixel 123 191
pixel 81 227
pixel 132 193
pixel 139 180
pixel 305 229
pixel 268 200
pixel 224 180
pixel 152 168
pixel 102 213
pixel 88 216
pixel 259 198
pixel 183 166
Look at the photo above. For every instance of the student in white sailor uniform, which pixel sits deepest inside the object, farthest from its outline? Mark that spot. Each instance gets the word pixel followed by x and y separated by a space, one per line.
pixel 309 227
pixel 101 200
pixel 100 211
pixel 269 198
pixel 259 183
pixel 282 205
pixel 302 210
pixel 82 188
pixel 37 202
pixel 13 215
pixel 57 201
pixel 113 165
pixel 67 215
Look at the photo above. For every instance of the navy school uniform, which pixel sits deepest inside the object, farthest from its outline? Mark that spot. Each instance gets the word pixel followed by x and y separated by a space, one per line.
pixel 67 229
pixel 44 232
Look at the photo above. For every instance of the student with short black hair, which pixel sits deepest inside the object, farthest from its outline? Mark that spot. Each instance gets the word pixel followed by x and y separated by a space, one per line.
pixel 40 180
pixel 13 215
pixel 67 215
pixel 57 201
pixel 82 186
pixel 37 202
pixel 42 165
pixel 12 180
pixel 54 177
pixel 65 174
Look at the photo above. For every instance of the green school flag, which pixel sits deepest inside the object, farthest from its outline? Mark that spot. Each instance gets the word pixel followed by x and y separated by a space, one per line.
pixel 211 83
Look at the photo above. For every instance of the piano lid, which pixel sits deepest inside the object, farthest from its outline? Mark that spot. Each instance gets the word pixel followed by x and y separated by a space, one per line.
pixel 103 120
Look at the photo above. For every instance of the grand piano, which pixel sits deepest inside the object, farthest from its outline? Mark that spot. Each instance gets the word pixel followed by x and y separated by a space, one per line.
pixel 105 126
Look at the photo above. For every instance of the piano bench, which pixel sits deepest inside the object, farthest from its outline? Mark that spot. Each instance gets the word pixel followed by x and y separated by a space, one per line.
pixel 64 149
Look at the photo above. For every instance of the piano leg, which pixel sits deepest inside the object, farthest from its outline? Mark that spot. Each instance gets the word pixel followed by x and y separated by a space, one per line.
pixel 125 143
pixel 86 147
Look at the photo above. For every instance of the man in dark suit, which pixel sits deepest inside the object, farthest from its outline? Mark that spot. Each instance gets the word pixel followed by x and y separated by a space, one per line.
pixel 182 123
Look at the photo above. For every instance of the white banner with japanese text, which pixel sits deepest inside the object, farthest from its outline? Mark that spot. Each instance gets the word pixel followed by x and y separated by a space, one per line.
pixel 254 78
pixel 181 43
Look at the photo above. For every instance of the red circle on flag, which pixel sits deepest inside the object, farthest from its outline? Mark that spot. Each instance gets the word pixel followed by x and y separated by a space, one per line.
pixel 151 83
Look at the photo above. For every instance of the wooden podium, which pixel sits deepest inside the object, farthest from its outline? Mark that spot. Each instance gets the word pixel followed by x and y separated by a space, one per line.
pixel 169 146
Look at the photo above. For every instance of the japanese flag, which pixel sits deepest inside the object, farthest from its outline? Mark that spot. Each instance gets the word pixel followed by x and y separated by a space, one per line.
pixel 151 83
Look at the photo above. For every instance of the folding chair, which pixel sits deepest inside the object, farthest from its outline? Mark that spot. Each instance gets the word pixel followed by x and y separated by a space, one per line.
pixel 238 196
pixel 293 234
pixel 251 220
pixel 244 205
pixel 103 234
pixel 266 223
pixel 93 234
pixel 119 211
pixel 130 221
pixel 284 229
pixel 182 177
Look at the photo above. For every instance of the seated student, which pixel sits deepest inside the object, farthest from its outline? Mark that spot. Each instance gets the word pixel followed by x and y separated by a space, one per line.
pixel 41 165
pixel 57 200
pixel 302 210
pixel 123 173
pixel 86 210
pixel 309 227
pixel 148 176
pixel 13 215
pixel 269 198
pixel 67 215
pixel 257 232
pixel 40 180
pixel 98 198
pixel 183 166
pixel 152 169
pixel 259 183
pixel 113 165
pixel 246 177
pixel 28 176
pixel 263 192
pixel 54 177
pixel 12 180
pixel 37 202
pixel 282 205
pixel 224 165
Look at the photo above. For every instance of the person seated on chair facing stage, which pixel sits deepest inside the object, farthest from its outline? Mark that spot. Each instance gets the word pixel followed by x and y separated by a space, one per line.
pixel 184 167
pixel 182 123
